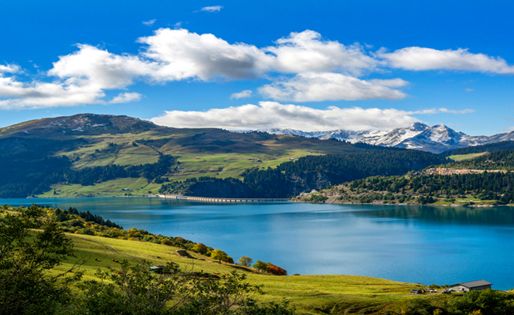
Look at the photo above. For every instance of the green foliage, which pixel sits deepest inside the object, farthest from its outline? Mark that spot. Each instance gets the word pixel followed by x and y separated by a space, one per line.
pixel 426 189
pixel 486 302
pixel 307 173
pixel 269 268
pixel 220 255
pixel 260 265
pixel 495 160
pixel 92 175
pixel 245 261
pixel 25 286
pixel 492 147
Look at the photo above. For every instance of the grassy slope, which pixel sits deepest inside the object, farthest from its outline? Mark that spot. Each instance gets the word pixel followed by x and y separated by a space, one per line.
pixel 116 187
pixel 203 157
pixel 468 156
pixel 309 294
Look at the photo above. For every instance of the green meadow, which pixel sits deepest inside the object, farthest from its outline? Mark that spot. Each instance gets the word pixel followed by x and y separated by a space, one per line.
pixel 309 294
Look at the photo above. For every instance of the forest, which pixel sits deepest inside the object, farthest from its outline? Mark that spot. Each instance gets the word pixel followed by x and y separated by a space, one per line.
pixel 491 188
pixel 307 173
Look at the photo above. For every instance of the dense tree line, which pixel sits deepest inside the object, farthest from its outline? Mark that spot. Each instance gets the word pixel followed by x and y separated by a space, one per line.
pixel 422 188
pixel 492 160
pixel 492 147
pixel 93 175
pixel 29 166
pixel 307 173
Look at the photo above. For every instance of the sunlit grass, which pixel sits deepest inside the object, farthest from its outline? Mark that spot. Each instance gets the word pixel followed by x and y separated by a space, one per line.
pixel 306 292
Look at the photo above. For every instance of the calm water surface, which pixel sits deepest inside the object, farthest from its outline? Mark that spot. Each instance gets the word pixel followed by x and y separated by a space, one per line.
pixel 416 244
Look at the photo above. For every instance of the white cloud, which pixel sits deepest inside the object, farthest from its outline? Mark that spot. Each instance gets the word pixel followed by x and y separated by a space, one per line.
pixel 126 98
pixel 78 78
pixel 212 8
pixel 266 115
pixel 443 110
pixel 181 54
pixel 307 52
pixel 302 66
pixel 149 22
pixel 311 87
pixel 421 58
pixel 241 94
pixel 99 68
pixel 9 69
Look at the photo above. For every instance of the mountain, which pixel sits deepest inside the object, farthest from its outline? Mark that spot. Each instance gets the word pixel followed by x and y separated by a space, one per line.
pixel 88 154
pixel 418 136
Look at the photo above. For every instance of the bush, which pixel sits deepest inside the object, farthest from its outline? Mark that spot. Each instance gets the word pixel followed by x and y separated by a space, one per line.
pixel 245 261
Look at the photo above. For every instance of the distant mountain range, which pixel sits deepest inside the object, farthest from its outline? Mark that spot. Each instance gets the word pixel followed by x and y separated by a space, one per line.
pixel 418 136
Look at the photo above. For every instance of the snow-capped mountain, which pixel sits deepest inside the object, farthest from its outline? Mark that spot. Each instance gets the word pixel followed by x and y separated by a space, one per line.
pixel 418 136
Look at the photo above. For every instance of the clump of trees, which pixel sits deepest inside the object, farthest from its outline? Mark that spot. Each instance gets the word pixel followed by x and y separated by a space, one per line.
pixel 268 267
pixel 245 261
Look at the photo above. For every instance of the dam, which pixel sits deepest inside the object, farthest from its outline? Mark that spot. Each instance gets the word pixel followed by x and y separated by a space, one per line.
pixel 221 199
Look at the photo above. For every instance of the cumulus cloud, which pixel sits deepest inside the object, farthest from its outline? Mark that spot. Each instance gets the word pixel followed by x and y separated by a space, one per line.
pixel 241 94
pixel 9 69
pixel 421 58
pixel 266 115
pixel 181 54
pixel 307 52
pixel 330 87
pixel 212 8
pixel 82 77
pixel 126 98
pixel 302 66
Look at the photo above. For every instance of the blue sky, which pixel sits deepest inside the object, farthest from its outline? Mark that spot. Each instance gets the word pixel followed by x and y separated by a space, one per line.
pixel 378 64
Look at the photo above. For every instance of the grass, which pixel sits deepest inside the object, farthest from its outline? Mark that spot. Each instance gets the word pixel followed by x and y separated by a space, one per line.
pixel 469 199
pixel 115 187
pixel 310 294
pixel 225 165
pixel 465 157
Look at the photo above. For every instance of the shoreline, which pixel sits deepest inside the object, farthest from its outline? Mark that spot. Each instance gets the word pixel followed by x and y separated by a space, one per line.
pixel 452 205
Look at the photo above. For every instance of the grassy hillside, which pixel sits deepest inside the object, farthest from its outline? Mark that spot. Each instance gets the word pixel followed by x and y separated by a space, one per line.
pixel 310 294
pixel 466 156
pixel 50 157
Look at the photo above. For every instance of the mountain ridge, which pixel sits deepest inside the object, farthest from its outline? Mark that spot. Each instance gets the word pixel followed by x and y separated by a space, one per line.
pixel 418 136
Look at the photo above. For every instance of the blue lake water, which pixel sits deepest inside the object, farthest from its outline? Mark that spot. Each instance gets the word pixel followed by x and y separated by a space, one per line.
pixel 407 243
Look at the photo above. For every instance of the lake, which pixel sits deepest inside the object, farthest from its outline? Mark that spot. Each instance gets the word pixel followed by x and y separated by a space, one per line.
pixel 407 243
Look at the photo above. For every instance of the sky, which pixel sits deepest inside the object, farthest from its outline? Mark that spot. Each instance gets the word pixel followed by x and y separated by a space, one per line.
pixel 309 65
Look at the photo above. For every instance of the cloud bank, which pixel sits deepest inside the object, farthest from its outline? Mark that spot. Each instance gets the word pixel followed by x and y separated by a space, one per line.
pixel 267 115
pixel 300 67
pixel 327 86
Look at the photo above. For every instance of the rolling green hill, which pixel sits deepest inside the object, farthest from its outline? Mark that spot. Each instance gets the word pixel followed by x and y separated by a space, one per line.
pixel 88 154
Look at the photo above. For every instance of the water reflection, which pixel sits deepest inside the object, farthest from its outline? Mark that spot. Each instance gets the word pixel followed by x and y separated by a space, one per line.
pixel 445 215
